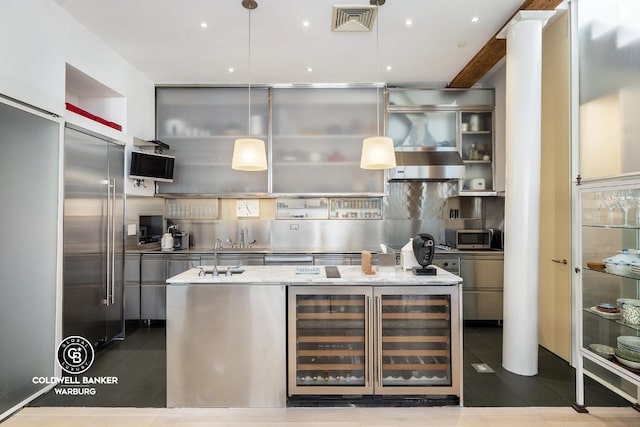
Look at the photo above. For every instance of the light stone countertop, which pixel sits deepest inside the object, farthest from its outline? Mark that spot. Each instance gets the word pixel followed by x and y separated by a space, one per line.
pixel 286 274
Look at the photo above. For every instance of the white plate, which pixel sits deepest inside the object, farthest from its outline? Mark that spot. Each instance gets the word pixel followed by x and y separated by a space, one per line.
pixel 629 363
pixel 603 350
pixel 604 314
pixel 629 342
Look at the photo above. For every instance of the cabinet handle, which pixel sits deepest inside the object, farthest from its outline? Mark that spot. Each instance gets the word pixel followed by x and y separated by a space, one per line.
pixel 367 340
pixel 378 342
pixel 559 261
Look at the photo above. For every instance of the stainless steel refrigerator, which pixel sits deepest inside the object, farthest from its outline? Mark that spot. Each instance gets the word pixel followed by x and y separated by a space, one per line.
pixel 93 237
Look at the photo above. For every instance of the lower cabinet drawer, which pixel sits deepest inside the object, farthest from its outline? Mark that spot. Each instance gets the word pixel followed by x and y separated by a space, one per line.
pixel 153 302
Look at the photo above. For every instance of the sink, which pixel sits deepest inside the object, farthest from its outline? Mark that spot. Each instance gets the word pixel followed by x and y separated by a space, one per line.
pixel 222 270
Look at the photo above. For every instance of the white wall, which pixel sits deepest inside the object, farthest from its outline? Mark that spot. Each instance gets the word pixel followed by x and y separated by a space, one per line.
pixel 38 38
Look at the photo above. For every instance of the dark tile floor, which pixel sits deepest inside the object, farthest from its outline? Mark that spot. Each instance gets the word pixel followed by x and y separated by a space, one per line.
pixel 139 363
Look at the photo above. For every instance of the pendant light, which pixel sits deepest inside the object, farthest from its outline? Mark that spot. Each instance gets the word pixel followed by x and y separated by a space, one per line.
pixel 377 151
pixel 249 153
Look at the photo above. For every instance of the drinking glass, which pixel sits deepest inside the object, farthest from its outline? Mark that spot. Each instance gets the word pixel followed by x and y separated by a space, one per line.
pixel 611 202
pixel 625 201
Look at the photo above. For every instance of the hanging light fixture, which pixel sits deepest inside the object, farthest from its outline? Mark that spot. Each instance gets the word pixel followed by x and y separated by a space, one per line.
pixel 377 151
pixel 249 153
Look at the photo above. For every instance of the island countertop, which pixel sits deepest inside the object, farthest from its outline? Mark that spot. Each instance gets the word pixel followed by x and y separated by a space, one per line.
pixel 292 275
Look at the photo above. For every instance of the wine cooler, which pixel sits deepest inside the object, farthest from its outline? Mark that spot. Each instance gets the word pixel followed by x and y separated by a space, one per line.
pixel 361 340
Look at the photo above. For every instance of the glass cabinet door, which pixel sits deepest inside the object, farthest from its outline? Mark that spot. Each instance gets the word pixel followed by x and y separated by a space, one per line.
pixel 201 125
pixel 317 140
pixel 329 342
pixel 415 345
pixel 610 294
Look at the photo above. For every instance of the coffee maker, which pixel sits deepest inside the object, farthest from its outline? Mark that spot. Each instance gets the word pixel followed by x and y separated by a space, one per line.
pixel 424 249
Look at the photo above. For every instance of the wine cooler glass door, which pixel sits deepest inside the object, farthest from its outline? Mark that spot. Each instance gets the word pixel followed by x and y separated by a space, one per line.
pixel 416 340
pixel 331 341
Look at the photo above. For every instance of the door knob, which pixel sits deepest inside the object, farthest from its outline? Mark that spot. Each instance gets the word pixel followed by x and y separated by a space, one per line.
pixel 559 261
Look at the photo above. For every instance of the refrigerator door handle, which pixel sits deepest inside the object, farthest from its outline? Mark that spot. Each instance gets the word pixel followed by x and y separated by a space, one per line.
pixel 113 242
pixel 108 252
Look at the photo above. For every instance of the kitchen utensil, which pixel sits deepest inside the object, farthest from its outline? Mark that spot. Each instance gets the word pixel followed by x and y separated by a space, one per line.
pixel 424 249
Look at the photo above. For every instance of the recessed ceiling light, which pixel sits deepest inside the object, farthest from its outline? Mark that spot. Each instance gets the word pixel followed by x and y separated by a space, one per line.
pixel 309 69
pixel 475 19
pixel 231 69
pixel 305 23
pixel 389 68
pixel 408 22
pixel 203 25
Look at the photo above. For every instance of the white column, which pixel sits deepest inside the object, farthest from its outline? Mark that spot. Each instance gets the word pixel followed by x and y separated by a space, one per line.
pixel 522 198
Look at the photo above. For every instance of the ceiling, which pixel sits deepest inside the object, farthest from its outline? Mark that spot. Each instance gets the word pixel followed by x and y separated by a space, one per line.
pixel 165 41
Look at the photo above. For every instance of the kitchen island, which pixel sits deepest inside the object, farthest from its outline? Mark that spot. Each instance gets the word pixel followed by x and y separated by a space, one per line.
pixel 269 334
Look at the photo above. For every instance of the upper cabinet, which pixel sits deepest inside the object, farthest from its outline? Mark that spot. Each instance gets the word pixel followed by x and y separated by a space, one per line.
pixel 317 140
pixel 448 118
pixel 201 125
pixel 476 150
pixel 313 139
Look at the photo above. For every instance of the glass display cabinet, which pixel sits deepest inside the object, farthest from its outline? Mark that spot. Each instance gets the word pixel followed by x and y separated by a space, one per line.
pixel 608 294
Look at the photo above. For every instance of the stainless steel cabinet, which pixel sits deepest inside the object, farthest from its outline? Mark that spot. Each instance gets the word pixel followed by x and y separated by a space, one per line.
pixel 153 276
pixel 226 345
pixel 483 286
pixel 353 340
pixel 155 269
pixel 132 287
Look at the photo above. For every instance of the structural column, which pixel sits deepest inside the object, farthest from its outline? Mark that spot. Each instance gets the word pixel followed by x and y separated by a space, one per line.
pixel 522 198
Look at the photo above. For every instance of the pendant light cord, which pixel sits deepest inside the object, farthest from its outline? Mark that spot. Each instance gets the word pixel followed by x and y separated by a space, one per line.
pixel 377 68
pixel 249 73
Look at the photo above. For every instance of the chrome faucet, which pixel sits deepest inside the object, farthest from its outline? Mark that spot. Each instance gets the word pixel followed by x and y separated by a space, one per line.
pixel 217 245
pixel 243 234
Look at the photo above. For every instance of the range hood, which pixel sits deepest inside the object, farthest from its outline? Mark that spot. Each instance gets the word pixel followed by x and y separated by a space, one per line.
pixel 427 164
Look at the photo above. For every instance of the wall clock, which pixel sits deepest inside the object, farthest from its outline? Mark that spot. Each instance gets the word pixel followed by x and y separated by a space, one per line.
pixel 247 208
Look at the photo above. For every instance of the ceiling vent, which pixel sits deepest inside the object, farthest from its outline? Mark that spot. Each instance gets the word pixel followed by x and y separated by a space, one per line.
pixel 353 18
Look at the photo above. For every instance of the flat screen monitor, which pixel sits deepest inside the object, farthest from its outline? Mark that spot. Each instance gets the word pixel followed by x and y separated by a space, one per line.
pixel 151 166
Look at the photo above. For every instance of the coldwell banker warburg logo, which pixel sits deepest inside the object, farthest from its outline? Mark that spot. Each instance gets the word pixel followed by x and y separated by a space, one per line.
pixel 75 355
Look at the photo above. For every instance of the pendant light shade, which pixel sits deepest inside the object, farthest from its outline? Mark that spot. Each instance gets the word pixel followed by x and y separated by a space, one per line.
pixel 378 153
pixel 249 155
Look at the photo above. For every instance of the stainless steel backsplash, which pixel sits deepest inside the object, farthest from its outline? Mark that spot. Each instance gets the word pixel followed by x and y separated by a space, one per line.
pixel 410 208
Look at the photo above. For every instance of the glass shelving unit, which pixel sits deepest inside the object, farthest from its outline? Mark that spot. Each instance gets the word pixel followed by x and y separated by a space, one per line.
pixel 609 223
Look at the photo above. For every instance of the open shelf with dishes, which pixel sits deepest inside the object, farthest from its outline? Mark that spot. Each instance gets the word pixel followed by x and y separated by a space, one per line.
pixel 608 294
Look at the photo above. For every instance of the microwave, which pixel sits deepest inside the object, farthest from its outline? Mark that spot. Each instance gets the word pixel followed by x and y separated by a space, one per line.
pixel 468 239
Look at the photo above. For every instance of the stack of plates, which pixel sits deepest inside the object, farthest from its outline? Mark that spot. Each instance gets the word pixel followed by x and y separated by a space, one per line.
pixel 629 342
pixel 628 351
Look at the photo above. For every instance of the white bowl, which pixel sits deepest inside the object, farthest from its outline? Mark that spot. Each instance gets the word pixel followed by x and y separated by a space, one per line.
pixel 629 363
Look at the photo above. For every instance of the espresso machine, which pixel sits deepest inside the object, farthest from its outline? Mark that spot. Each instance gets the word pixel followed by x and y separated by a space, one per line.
pixel 424 249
